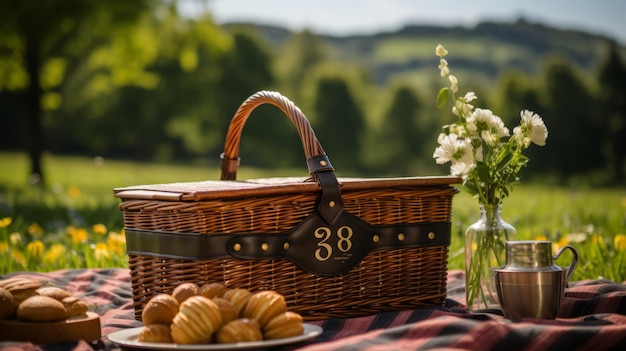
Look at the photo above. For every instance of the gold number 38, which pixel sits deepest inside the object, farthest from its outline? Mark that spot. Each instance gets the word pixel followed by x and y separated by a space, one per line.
pixel 325 250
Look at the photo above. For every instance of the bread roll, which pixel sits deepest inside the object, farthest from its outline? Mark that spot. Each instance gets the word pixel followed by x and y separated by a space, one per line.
pixel 196 321
pixel 263 306
pixel 20 288
pixel 160 309
pixel 185 291
pixel 238 297
pixel 74 307
pixel 40 309
pixel 284 325
pixel 156 333
pixel 212 290
pixel 7 307
pixel 53 292
pixel 227 310
pixel 239 330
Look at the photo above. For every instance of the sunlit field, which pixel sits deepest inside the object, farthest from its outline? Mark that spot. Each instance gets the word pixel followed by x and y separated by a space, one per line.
pixel 75 223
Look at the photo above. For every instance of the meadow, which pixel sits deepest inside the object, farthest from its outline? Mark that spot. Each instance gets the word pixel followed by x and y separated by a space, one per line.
pixel 74 222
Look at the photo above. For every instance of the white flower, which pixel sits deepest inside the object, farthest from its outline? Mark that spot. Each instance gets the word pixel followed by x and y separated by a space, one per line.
pixel 440 51
pixel 469 96
pixel 452 148
pixel 534 126
pixel 488 126
pixel 461 169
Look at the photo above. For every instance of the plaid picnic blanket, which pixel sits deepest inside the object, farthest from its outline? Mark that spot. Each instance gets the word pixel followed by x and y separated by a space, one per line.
pixel 592 317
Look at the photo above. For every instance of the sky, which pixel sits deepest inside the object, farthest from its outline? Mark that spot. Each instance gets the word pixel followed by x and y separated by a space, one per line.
pixel 346 17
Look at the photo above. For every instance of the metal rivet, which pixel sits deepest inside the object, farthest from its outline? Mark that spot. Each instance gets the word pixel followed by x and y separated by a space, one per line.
pixel 431 235
pixel 331 204
pixel 265 246
pixel 323 163
pixel 375 238
pixel 401 237
pixel 286 246
pixel 237 247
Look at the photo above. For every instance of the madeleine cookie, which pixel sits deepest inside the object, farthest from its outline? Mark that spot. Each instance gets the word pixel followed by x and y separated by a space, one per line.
pixel 227 310
pixel 160 309
pixel 40 309
pixel 212 290
pixel 239 330
pixel 263 306
pixel 284 325
pixel 20 288
pixel 185 291
pixel 53 292
pixel 74 307
pixel 196 321
pixel 238 297
pixel 155 333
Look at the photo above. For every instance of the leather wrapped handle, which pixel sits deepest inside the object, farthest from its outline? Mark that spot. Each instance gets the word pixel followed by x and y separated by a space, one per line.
pixel 230 157
pixel 330 205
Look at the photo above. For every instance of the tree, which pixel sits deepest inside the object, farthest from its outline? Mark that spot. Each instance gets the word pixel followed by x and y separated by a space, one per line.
pixel 612 82
pixel 575 131
pixel 404 136
pixel 338 121
pixel 45 41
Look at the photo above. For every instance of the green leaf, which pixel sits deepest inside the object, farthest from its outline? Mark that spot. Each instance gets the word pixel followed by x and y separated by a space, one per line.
pixel 442 97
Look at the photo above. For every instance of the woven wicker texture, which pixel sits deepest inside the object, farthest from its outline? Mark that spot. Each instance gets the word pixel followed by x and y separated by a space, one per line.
pixel 385 280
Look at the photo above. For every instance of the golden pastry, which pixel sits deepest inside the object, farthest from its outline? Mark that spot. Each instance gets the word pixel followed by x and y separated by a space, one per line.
pixel 263 306
pixel 20 288
pixel 74 307
pixel 227 310
pixel 238 297
pixel 185 291
pixel 212 290
pixel 284 325
pixel 40 309
pixel 160 309
pixel 196 321
pixel 7 307
pixel 156 333
pixel 53 292
pixel 239 330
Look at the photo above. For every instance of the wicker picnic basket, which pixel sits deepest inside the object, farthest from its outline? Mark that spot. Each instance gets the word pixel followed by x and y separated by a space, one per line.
pixel 334 247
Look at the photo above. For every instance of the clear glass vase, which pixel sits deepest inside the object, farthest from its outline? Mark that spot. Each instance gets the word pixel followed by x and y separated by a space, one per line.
pixel 485 248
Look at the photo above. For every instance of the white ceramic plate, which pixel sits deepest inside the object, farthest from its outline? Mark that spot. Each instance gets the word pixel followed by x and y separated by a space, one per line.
pixel 128 338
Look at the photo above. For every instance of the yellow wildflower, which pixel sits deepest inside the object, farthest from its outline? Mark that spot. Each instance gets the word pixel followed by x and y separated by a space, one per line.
pixel 74 192
pixel 99 229
pixel 4 246
pixel 620 242
pixel 5 222
pixel 15 238
pixel 18 257
pixel 79 235
pixel 52 256
pixel 35 248
pixel 35 230
pixel 101 251
pixel 116 242
pixel 541 238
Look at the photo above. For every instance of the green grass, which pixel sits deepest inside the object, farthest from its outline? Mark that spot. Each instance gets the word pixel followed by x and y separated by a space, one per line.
pixel 75 222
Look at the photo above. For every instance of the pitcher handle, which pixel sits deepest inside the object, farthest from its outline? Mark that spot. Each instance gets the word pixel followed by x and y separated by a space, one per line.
pixel 574 263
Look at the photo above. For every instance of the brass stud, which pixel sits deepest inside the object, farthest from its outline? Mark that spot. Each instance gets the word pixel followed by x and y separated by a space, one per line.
pixel 286 246
pixel 323 163
pixel 237 247
pixel 401 237
pixel 376 238
pixel 265 246
pixel 431 235
pixel 331 204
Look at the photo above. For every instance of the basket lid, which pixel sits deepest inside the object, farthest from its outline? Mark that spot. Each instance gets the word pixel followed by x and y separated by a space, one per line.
pixel 222 189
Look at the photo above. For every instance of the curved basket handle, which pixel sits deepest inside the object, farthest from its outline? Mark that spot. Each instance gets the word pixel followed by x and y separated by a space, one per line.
pixel 230 157
pixel 330 205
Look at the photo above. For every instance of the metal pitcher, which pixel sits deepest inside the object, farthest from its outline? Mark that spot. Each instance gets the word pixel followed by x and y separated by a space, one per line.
pixel 530 284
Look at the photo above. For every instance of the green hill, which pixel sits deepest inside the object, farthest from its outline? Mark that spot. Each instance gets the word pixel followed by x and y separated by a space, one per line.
pixel 480 53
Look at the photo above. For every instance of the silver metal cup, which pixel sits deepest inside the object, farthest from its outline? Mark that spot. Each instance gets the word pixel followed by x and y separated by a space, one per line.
pixel 530 285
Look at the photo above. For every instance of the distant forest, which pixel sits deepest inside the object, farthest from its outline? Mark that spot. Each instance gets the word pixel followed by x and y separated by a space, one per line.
pixel 138 81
